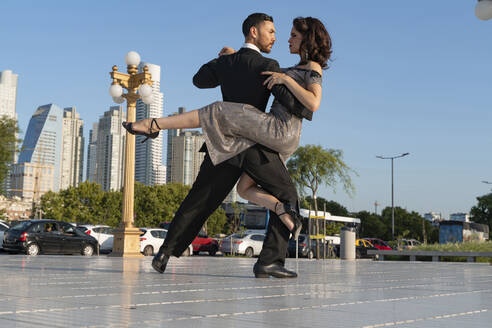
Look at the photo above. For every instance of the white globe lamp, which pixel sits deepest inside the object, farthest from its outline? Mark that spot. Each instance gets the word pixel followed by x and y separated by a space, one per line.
pixel 145 90
pixel 119 100
pixel 483 9
pixel 147 100
pixel 132 58
pixel 115 90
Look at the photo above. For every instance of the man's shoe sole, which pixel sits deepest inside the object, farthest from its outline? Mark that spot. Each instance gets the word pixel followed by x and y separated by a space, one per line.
pixel 262 275
pixel 157 268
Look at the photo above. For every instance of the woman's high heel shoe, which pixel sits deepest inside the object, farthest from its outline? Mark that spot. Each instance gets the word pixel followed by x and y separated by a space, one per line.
pixel 129 127
pixel 296 218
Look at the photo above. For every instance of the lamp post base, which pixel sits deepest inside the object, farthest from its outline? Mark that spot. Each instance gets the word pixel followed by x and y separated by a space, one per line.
pixel 126 243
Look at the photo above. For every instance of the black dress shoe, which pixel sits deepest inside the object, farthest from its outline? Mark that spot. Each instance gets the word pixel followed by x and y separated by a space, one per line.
pixel 159 262
pixel 274 270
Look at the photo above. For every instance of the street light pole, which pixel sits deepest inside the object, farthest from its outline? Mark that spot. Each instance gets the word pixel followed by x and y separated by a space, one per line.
pixel 127 236
pixel 392 192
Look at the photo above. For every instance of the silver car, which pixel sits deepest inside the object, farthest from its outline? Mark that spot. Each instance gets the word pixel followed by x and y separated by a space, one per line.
pixel 245 243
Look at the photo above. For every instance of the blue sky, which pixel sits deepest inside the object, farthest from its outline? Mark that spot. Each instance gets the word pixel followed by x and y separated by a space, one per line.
pixel 406 76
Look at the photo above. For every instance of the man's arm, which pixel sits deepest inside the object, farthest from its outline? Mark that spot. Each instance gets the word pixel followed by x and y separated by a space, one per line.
pixel 206 77
pixel 286 98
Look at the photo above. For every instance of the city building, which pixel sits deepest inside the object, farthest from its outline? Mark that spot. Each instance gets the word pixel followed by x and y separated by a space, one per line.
pixel 110 149
pixel 15 208
pixel 43 144
pixel 232 197
pixel 92 154
pixel 433 217
pixel 463 217
pixel 72 162
pixel 8 94
pixel 171 133
pixel 186 158
pixel 8 98
pixel 30 181
pixel 149 169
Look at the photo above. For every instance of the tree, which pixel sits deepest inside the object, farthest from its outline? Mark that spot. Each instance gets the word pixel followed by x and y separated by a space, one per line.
pixel 482 212
pixel 311 166
pixel 8 148
pixel 216 222
pixel 372 226
pixel 331 206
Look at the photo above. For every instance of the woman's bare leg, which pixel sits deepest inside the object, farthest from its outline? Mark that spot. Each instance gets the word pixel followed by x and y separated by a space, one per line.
pixel 187 120
pixel 248 189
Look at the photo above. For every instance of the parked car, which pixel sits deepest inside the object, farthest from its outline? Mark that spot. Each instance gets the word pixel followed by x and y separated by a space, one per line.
pixel 151 240
pixel 3 227
pixel 246 243
pixel 408 243
pixel 103 234
pixel 48 236
pixel 307 248
pixel 203 243
pixel 361 248
pixel 379 244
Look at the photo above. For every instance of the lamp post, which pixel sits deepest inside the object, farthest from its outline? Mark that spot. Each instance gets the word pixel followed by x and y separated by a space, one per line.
pixel 392 192
pixel 483 9
pixel 127 236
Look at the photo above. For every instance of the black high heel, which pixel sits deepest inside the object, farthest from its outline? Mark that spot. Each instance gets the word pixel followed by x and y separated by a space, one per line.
pixel 129 127
pixel 296 230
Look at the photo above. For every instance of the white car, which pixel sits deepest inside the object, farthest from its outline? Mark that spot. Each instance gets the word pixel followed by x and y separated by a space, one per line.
pixel 151 240
pixel 102 233
pixel 245 243
pixel 3 227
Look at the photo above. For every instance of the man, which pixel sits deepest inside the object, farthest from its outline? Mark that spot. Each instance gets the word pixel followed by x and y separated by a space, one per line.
pixel 240 80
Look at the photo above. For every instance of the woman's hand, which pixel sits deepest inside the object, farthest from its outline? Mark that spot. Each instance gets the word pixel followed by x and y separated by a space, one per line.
pixel 226 51
pixel 274 78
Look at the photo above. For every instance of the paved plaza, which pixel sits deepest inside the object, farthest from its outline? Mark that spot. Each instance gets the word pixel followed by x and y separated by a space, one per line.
pixel 203 291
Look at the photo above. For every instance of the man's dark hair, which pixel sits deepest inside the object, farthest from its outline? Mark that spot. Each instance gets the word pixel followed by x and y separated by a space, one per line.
pixel 254 20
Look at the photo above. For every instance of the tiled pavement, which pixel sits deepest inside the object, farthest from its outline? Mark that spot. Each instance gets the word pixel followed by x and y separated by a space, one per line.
pixel 203 291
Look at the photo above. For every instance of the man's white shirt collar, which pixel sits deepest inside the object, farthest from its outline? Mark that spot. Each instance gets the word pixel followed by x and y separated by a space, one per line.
pixel 251 46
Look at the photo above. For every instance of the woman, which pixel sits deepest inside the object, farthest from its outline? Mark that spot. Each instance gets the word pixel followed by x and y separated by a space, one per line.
pixel 226 126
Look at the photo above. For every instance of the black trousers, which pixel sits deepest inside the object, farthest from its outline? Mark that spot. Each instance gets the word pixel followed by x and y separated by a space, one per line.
pixel 212 185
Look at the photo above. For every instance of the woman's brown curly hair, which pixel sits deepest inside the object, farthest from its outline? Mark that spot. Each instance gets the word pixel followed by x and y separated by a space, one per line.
pixel 316 42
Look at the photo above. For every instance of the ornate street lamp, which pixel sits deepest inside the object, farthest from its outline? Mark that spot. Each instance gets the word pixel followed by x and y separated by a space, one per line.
pixel 392 192
pixel 126 240
pixel 483 9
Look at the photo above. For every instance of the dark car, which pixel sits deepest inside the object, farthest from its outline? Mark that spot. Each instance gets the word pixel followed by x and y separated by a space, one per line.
pixel 203 243
pixel 361 248
pixel 307 248
pixel 33 237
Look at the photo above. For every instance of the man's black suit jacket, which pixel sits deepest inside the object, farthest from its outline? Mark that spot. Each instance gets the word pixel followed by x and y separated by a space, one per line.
pixel 240 79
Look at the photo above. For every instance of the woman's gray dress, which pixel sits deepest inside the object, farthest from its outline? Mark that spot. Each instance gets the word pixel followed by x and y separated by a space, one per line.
pixel 231 128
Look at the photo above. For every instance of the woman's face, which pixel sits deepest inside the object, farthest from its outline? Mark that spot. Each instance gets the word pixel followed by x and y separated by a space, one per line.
pixel 295 41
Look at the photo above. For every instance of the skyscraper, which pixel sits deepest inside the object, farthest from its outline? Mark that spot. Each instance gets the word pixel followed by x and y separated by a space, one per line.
pixel 186 158
pixel 110 148
pixel 148 156
pixel 171 133
pixel 8 98
pixel 8 94
pixel 72 162
pixel 43 141
pixel 92 154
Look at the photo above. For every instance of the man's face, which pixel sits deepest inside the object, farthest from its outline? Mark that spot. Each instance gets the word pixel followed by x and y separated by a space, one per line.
pixel 265 36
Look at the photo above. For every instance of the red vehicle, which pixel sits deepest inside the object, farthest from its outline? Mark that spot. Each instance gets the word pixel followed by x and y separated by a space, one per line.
pixel 379 244
pixel 203 243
